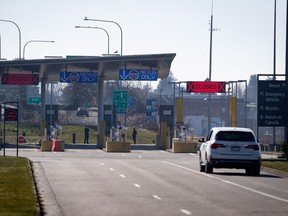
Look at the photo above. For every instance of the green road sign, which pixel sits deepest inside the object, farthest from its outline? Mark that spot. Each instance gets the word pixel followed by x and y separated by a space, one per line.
pixel 120 99
pixel 34 100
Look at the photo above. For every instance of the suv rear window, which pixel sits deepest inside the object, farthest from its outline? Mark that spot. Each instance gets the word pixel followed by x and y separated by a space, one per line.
pixel 235 136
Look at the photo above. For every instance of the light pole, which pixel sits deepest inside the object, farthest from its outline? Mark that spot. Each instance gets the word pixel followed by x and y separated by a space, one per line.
pixel 210 67
pixel 36 41
pixel 109 21
pixel 19 34
pixel 91 27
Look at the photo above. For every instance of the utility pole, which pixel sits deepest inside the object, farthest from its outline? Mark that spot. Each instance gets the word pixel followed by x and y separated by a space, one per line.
pixel 286 78
pixel 210 67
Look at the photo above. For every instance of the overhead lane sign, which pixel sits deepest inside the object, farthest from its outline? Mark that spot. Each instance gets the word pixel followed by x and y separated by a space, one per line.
pixel 78 77
pixel 20 79
pixel 206 87
pixel 139 74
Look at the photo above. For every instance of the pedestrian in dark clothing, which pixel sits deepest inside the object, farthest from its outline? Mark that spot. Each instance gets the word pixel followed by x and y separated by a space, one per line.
pixel 86 138
pixel 134 135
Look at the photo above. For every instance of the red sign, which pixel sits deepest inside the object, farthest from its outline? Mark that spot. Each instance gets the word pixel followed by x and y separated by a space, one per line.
pixel 206 87
pixel 11 114
pixel 20 79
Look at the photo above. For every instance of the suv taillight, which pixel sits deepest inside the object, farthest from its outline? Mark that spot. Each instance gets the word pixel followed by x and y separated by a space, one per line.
pixel 217 145
pixel 255 147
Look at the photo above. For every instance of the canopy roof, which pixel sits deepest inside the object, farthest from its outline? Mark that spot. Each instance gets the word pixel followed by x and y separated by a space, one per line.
pixel 106 66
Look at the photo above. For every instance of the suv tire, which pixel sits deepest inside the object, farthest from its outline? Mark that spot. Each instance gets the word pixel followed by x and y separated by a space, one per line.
pixel 208 168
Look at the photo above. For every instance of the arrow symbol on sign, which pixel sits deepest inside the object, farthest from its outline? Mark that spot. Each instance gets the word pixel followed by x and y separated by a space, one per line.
pixel 123 75
pixel 63 76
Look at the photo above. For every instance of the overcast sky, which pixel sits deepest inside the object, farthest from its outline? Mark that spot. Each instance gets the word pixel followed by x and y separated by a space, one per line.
pixel 242 45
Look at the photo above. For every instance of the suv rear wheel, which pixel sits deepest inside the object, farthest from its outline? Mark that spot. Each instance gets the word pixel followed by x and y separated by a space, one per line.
pixel 253 170
pixel 208 168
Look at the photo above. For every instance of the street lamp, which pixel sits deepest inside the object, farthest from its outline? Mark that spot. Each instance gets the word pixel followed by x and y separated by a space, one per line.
pixel 109 21
pixel 32 41
pixel 19 34
pixel 91 27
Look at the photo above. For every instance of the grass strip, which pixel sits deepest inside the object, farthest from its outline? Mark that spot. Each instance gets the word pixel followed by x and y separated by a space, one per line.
pixel 17 196
pixel 278 164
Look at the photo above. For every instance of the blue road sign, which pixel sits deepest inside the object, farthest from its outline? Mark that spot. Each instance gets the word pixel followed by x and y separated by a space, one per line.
pixel 144 75
pixel 78 77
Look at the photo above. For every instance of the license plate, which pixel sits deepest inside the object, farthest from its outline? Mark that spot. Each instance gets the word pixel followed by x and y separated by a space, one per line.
pixel 235 148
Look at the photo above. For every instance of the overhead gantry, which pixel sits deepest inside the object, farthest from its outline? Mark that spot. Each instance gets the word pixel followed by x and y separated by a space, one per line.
pixel 106 67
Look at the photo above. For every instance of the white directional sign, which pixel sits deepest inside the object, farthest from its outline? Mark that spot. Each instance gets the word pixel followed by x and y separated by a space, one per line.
pixel 272 105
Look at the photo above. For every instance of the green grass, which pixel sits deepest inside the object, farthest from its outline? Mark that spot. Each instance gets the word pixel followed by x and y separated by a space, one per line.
pixel 279 164
pixel 143 136
pixel 16 187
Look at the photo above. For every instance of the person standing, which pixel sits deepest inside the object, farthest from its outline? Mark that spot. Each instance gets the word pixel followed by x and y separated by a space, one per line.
pixel 134 135
pixel 86 133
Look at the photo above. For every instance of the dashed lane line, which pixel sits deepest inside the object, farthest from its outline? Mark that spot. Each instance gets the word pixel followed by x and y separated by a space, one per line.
pixel 137 185
pixel 185 211
pixel 157 197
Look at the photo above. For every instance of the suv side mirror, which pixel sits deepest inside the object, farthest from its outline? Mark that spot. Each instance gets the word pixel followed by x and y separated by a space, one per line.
pixel 201 140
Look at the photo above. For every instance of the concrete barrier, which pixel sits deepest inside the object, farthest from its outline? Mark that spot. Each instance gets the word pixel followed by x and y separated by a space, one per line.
pixel 58 145
pixel 184 147
pixel 117 147
pixel 46 145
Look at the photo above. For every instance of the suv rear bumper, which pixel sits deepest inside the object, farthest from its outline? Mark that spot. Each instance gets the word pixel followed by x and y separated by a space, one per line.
pixel 238 164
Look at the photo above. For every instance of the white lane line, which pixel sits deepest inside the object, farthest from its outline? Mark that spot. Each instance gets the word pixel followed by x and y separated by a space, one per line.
pixel 229 182
pixel 185 211
pixel 157 197
pixel 139 156
pixel 194 155
pixel 111 169
pixel 137 185
pixel 123 176
pixel 102 164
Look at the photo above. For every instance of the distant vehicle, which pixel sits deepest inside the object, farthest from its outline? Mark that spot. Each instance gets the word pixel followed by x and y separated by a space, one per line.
pixel 230 147
pixel 82 111
pixel 93 109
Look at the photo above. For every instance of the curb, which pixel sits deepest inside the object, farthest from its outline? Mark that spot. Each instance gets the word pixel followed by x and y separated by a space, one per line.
pixel 275 172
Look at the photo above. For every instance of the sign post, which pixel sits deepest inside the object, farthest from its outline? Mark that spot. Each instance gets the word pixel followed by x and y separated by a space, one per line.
pixel 10 115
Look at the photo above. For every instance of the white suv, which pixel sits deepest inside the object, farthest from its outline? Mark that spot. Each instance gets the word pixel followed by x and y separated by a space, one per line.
pixel 230 147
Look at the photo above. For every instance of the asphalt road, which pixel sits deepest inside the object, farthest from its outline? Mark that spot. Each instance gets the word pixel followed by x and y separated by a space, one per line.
pixel 149 182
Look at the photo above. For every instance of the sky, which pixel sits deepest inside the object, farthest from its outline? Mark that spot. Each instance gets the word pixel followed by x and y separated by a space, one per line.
pixel 242 39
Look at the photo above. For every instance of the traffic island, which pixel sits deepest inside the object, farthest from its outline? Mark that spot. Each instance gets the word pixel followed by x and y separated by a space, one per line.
pixel 117 147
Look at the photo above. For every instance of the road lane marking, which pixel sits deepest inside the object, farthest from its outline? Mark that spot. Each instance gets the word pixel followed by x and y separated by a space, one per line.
pixel 229 182
pixel 137 185
pixel 157 197
pixel 194 155
pixel 123 176
pixel 185 211
pixel 102 164
pixel 139 156
pixel 111 169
